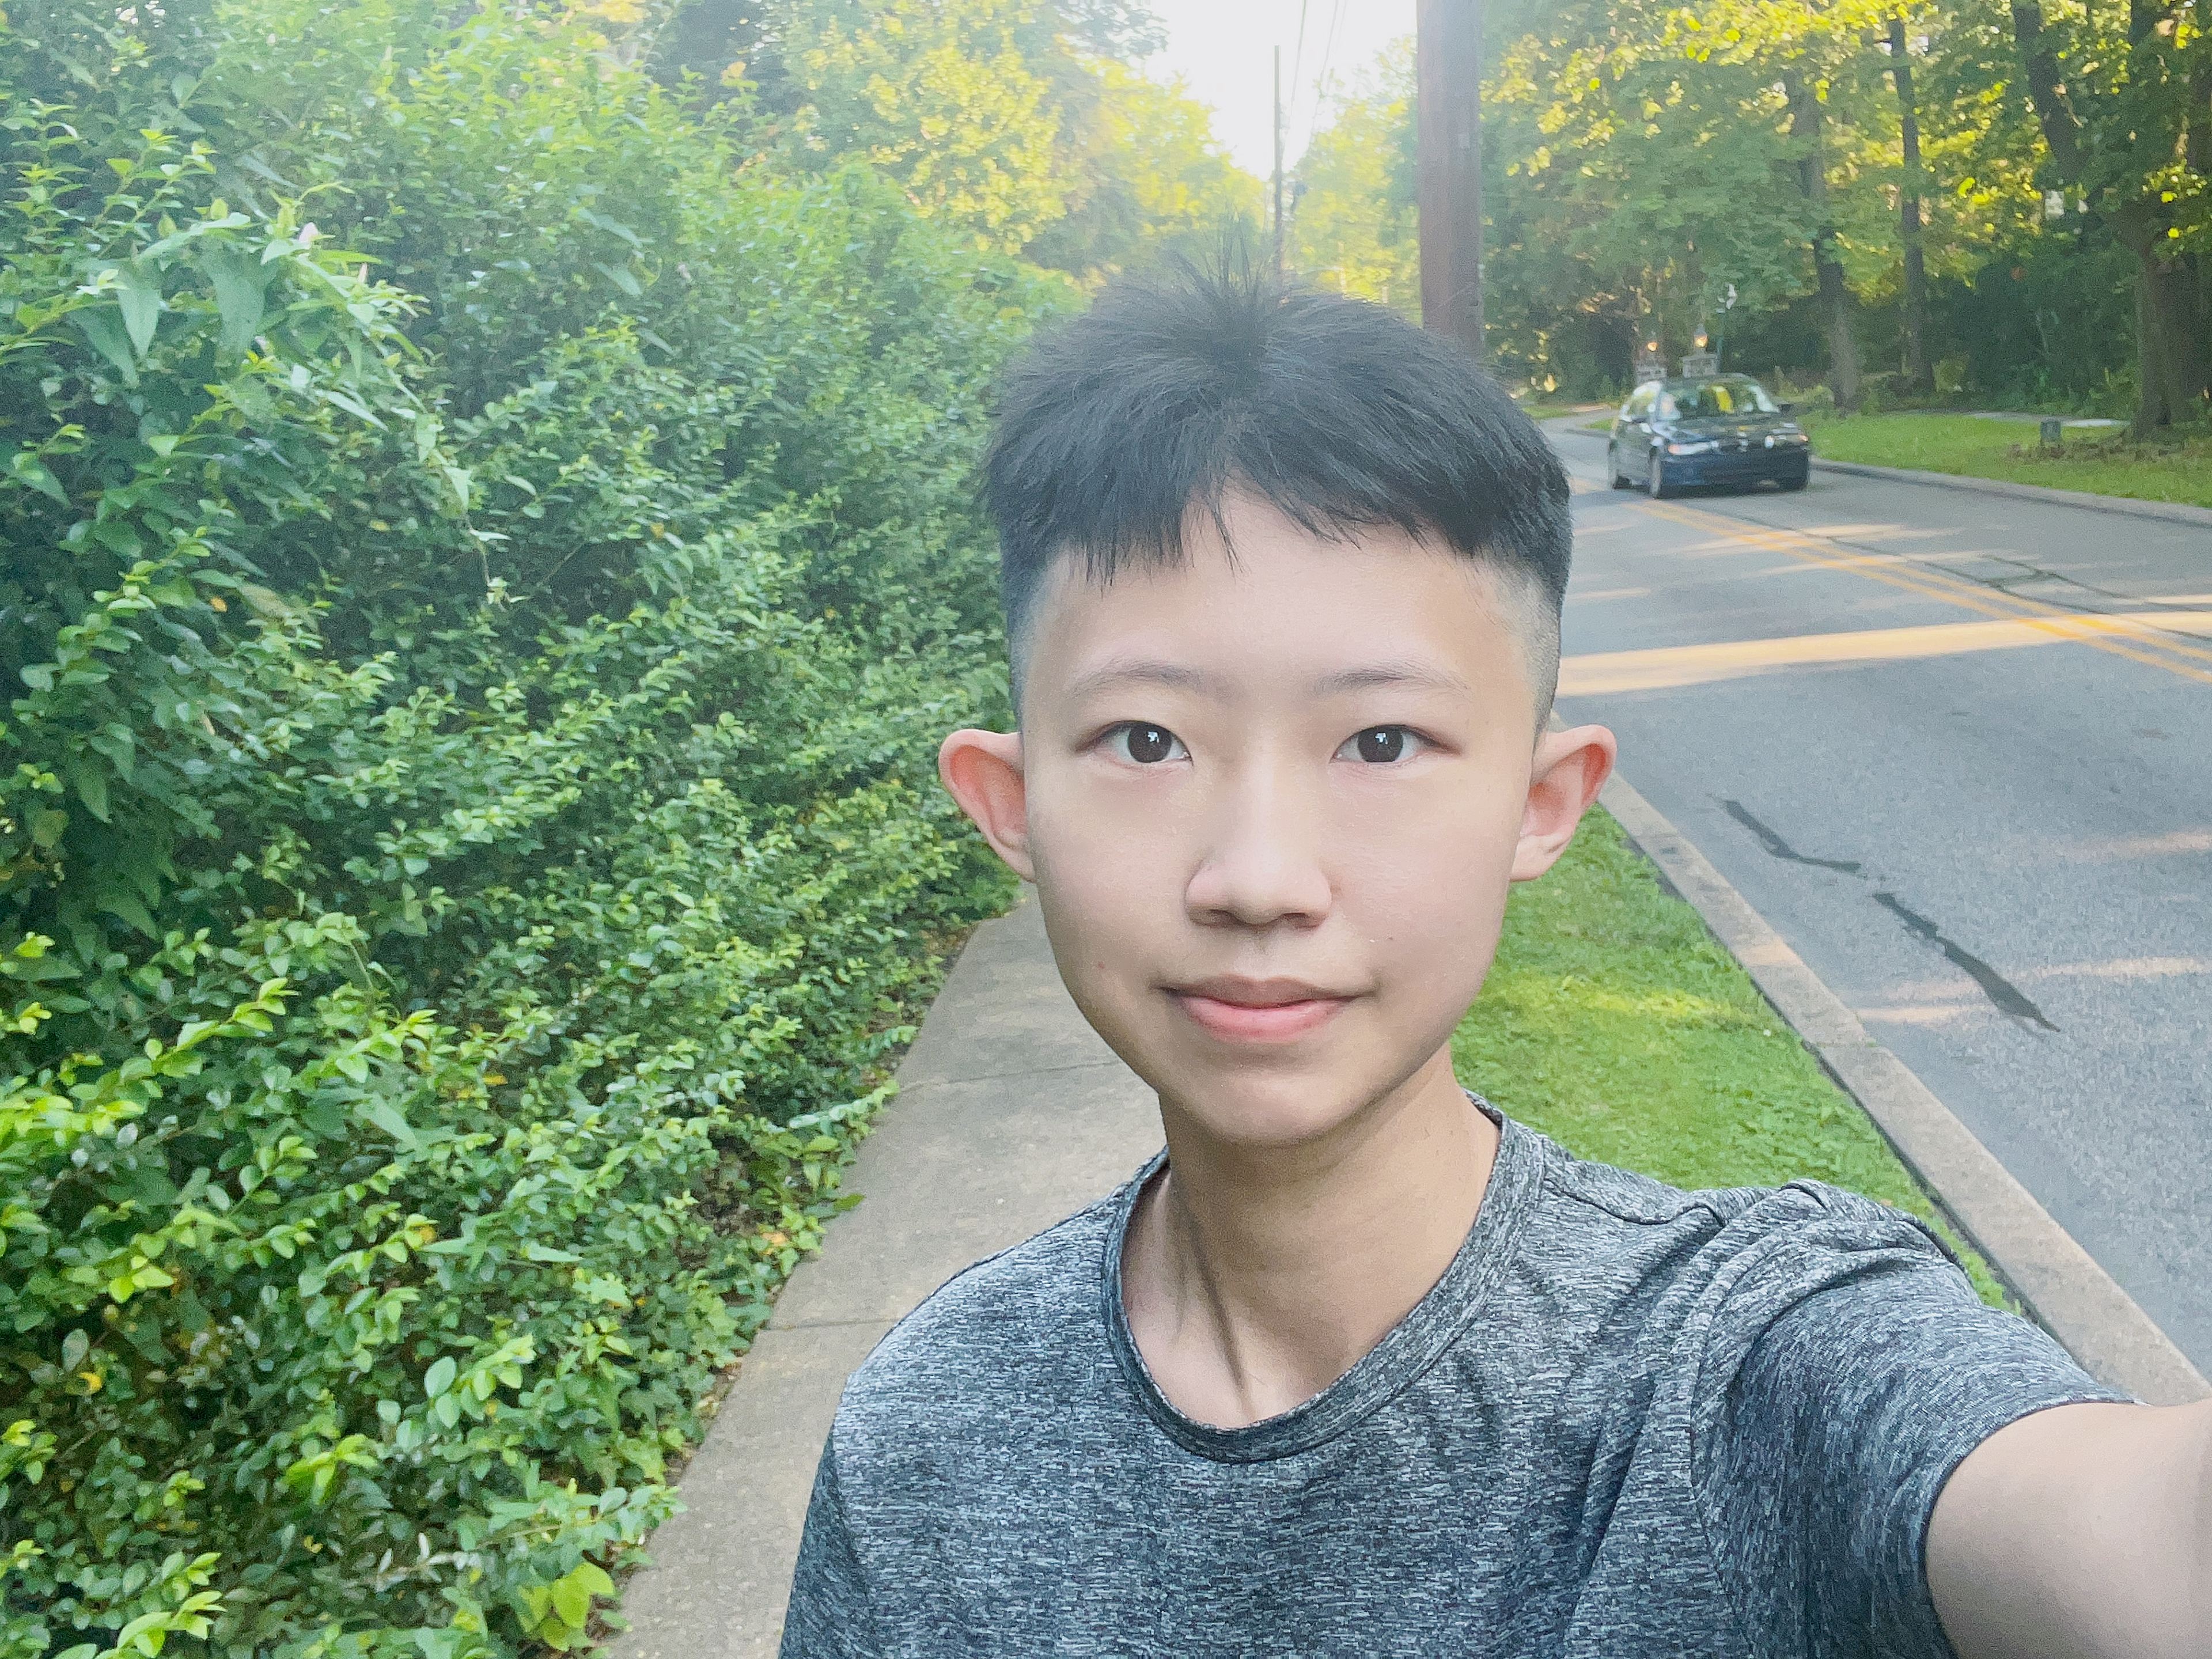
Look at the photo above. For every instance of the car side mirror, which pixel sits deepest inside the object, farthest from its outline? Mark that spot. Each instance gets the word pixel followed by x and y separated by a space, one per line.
pixel 1787 408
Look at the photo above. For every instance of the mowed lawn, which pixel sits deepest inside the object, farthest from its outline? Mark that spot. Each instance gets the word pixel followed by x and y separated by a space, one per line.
pixel 1615 1023
pixel 2099 459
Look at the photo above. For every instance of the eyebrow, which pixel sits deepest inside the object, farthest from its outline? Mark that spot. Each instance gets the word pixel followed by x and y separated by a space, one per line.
pixel 1375 675
pixel 1112 676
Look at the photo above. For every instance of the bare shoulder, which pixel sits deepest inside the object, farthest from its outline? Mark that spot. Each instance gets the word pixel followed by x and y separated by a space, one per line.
pixel 2084 1531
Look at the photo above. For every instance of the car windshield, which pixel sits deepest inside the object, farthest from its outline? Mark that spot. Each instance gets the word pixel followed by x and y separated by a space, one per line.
pixel 1718 397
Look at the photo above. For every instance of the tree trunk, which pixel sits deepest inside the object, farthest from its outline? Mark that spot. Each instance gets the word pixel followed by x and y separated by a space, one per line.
pixel 2169 347
pixel 1917 377
pixel 1835 297
pixel 2170 356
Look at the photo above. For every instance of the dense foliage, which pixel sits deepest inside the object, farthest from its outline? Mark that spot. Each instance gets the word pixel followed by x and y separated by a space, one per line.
pixel 489 553
pixel 1909 199
pixel 1018 119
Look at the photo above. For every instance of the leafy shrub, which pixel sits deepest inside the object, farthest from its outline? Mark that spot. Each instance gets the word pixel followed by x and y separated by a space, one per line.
pixel 466 845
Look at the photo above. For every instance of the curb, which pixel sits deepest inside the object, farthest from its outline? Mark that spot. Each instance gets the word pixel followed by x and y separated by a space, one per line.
pixel 2060 1283
pixel 2171 511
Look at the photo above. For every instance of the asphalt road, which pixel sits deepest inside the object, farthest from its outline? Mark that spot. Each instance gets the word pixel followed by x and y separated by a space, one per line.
pixel 1957 749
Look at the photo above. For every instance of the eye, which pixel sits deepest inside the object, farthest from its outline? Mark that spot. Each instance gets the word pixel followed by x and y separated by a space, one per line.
pixel 1381 745
pixel 1145 745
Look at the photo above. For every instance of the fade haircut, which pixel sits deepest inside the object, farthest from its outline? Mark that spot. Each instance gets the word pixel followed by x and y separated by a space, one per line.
pixel 1165 398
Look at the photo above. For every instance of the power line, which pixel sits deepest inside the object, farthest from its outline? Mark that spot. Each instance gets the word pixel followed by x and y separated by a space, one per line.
pixel 1321 80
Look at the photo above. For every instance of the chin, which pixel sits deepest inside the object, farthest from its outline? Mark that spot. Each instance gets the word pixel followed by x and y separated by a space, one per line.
pixel 1270 1115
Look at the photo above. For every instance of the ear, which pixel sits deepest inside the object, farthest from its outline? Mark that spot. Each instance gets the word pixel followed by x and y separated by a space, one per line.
pixel 1570 766
pixel 982 770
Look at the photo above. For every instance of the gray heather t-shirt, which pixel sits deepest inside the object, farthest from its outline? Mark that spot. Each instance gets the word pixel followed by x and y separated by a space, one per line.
pixel 1628 1422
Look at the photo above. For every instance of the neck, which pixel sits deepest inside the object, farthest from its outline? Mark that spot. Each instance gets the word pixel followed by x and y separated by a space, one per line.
pixel 1255 1276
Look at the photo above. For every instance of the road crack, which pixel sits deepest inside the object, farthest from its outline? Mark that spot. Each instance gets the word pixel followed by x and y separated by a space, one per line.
pixel 2008 997
pixel 1780 847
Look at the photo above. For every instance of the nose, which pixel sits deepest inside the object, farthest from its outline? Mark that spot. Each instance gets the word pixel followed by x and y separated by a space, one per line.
pixel 1260 869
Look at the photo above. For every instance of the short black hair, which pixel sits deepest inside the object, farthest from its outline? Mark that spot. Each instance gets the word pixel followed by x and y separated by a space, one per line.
pixel 1166 395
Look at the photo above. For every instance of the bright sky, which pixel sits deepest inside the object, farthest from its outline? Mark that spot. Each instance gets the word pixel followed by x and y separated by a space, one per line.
pixel 1223 51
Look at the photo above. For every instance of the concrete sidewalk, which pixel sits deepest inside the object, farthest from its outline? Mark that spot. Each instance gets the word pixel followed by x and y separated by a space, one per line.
pixel 1012 1114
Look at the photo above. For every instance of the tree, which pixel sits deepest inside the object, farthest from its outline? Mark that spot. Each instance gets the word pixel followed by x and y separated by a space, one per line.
pixel 1147 180
pixel 2124 105
pixel 1804 101
pixel 1354 229
pixel 1022 121
pixel 1653 156
pixel 940 96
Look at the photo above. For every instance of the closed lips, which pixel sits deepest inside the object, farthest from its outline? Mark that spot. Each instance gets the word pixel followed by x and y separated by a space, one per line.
pixel 1257 1010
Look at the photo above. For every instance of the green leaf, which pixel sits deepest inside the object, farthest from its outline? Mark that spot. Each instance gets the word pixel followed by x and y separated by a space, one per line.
pixel 27 470
pixel 387 1117
pixel 439 1378
pixel 38 969
pixel 128 906
pixel 621 278
pixel 252 399
pixel 572 1602
pixel 92 788
pixel 103 326
pixel 139 294
pixel 612 227
pixel 238 282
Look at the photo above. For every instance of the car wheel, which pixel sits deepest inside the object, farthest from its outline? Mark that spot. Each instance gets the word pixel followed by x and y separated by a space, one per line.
pixel 1655 481
pixel 1797 480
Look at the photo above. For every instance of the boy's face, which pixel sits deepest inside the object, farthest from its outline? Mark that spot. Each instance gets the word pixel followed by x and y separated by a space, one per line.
pixel 1273 807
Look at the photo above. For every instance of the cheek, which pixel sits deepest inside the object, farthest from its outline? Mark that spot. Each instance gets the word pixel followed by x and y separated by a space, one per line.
pixel 1431 881
pixel 1111 862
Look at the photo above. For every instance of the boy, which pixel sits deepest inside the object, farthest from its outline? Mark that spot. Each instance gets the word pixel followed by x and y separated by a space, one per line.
pixel 1358 1366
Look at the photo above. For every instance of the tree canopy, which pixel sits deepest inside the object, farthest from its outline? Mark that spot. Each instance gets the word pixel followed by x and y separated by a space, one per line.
pixel 2019 187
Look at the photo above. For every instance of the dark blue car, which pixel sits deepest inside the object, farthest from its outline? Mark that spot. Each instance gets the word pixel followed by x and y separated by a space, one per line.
pixel 1725 431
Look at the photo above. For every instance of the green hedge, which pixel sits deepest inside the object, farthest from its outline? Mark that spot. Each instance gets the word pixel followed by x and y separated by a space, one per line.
pixel 488 561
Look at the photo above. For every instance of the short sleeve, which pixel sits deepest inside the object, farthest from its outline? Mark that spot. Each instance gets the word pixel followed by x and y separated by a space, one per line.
pixel 1850 1370
pixel 828 1616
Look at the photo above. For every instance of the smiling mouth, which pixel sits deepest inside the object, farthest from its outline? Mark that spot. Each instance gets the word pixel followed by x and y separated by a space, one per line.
pixel 1257 1011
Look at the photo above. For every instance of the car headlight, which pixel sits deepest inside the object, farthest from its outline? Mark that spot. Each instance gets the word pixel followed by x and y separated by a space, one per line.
pixel 1703 448
pixel 1792 438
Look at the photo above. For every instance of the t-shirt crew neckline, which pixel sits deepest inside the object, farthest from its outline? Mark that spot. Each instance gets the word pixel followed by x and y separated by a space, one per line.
pixel 1407 1351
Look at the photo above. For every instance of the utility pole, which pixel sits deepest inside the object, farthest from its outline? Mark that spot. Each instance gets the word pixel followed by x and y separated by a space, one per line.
pixel 1447 86
pixel 1278 164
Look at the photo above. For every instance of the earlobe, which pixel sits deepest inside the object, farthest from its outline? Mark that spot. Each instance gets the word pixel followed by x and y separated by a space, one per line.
pixel 982 770
pixel 1569 768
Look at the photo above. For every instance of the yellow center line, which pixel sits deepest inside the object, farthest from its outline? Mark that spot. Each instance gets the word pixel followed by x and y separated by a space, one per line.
pixel 2151 645
pixel 1669 667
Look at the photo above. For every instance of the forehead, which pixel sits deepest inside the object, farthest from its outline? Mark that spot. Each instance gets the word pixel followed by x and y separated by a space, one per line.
pixel 1258 601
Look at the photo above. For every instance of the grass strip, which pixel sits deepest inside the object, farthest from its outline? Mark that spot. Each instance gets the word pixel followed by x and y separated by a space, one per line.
pixel 2103 461
pixel 1614 1022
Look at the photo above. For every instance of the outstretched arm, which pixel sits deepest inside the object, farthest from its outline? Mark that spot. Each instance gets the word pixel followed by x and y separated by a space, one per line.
pixel 2083 1532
